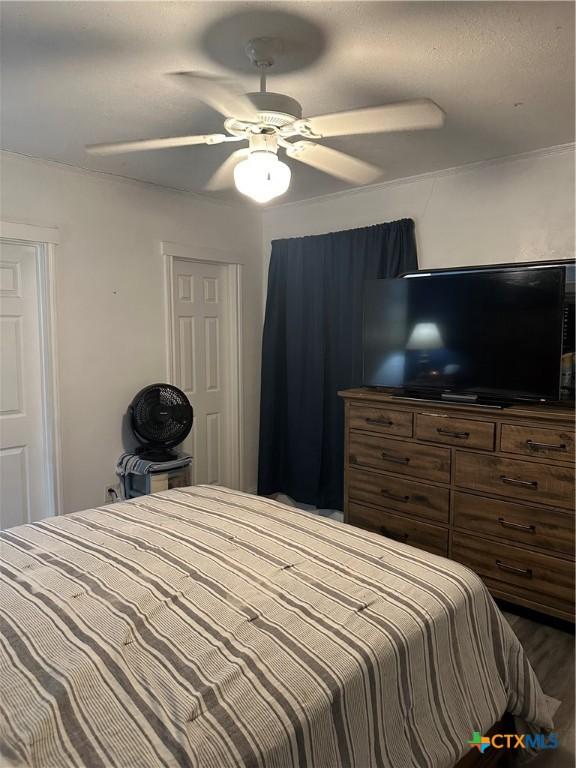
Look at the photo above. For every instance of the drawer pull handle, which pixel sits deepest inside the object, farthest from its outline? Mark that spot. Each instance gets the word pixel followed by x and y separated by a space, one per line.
pixel 545 446
pixel 519 526
pixel 512 481
pixel 394 497
pixel 393 534
pixel 451 433
pixel 381 422
pixel 395 459
pixel 514 569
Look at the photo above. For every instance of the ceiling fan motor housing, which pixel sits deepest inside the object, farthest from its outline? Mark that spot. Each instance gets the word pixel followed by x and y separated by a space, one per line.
pixel 276 108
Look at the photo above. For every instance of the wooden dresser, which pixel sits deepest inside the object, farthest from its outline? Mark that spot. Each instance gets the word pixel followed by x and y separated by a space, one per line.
pixel 492 488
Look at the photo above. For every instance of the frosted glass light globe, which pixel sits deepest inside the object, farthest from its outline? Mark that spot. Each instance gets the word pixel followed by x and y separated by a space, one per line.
pixel 262 176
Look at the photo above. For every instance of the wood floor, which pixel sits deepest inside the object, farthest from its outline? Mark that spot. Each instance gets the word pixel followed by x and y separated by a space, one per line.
pixel 551 653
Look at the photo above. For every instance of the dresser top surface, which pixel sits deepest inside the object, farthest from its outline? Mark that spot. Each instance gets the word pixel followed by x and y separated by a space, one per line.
pixel 535 412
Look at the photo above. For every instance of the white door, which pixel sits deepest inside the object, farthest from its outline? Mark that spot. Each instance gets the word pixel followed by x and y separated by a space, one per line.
pixel 23 470
pixel 202 354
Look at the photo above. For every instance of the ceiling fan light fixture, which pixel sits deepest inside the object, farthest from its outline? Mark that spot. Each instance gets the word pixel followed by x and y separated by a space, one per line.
pixel 262 176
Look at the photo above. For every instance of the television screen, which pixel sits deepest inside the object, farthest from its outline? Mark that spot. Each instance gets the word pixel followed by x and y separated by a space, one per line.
pixel 496 334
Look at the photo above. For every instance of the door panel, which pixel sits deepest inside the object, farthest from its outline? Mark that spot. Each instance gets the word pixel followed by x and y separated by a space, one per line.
pixel 201 327
pixel 187 355
pixel 22 462
pixel 14 485
pixel 11 374
pixel 212 340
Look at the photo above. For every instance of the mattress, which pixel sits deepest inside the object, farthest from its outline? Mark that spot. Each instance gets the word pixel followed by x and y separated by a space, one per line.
pixel 210 628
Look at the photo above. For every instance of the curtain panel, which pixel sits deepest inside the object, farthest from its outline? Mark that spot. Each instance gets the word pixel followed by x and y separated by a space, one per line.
pixel 312 347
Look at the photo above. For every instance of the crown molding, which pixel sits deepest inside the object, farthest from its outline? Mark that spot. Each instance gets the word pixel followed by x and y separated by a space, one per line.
pixel 105 176
pixel 346 193
pixel 429 175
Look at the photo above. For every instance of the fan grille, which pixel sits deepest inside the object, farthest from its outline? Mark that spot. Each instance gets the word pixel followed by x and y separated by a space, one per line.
pixel 161 415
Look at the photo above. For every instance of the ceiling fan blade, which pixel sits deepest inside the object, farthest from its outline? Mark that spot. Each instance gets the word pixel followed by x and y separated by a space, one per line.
pixel 119 147
pixel 223 177
pixel 222 94
pixel 402 116
pixel 333 162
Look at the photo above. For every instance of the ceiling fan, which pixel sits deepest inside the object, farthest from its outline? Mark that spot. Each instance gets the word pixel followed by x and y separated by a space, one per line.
pixel 268 121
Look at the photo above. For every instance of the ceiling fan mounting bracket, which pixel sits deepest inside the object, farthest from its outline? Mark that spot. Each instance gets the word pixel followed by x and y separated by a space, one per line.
pixel 262 51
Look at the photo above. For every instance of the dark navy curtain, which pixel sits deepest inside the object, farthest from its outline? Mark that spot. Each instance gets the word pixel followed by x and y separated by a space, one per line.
pixel 312 348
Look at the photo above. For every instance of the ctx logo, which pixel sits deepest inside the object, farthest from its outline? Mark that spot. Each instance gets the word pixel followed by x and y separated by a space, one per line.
pixel 513 741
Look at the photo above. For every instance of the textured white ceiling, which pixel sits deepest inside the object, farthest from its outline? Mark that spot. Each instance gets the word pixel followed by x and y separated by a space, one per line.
pixel 75 73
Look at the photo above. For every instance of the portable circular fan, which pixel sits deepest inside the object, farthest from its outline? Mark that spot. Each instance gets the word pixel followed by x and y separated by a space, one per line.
pixel 161 418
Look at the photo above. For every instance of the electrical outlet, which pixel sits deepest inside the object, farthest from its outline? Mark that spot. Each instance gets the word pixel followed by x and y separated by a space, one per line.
pixel 112 494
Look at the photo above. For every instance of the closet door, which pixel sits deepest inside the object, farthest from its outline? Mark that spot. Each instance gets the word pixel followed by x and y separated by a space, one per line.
pixel 23 469
pixel 202 355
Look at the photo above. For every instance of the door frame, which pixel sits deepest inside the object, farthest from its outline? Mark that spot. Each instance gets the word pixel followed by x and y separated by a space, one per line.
pixel 201 255
pixel 45 240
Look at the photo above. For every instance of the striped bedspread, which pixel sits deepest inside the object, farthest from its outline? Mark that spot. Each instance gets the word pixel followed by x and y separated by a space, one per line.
pixel 210 628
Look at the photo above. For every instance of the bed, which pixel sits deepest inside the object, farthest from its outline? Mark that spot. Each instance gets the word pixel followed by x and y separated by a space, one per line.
pixel 209 628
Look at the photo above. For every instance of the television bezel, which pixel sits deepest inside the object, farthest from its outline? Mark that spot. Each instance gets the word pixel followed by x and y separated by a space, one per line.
pixel 467 396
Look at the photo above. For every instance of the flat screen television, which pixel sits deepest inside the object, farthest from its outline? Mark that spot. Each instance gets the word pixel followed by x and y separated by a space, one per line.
pixel 493 335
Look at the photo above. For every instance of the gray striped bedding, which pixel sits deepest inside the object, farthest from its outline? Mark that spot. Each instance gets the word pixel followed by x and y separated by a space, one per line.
pixel 206 627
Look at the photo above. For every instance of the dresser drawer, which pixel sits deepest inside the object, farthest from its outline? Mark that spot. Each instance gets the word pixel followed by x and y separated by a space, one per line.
pixel 400 457
pixel 406 496
pixel 532 576
pixel 450 430
pixel 538 441
pixel 385 421
pixel 517 523
pixel 524 480
pixel 403 529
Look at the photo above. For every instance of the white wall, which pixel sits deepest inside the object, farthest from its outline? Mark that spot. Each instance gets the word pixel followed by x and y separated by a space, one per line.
pixel 110 301
pixel 515 209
